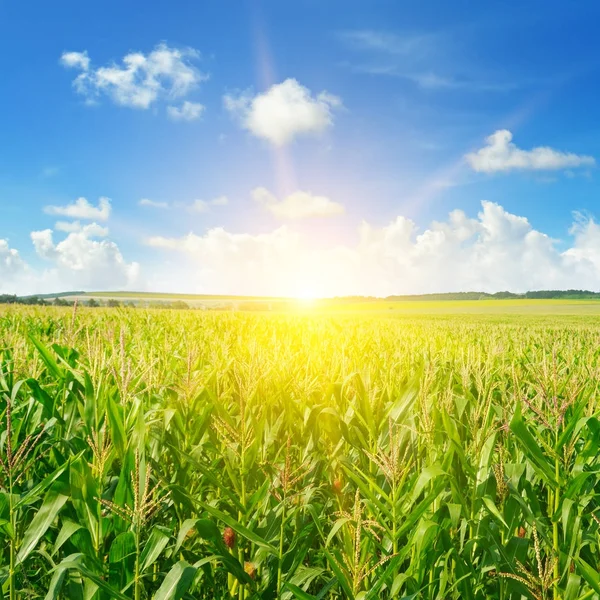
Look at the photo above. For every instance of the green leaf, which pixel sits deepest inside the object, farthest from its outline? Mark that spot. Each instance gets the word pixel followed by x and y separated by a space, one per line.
pixel 47 358
pixel 427 474
pixel 123 546
pixel 117 429
pixel 589 574
pixel 325 589
pixel 186 527
pixel 489 504
pixel 299 592
pixel 339 574
pixel 76 564
pixel 45 516
pixel 58 578
pixel 207 530
pixel 153 548
pixel 532 450
pixel 375 587
pixel 238 528
pixel 35 492
pixel 177 582
pixel 67 530
pixel 573 586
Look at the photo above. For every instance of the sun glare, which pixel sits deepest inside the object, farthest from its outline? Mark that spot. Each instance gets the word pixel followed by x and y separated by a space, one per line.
pixel 307 295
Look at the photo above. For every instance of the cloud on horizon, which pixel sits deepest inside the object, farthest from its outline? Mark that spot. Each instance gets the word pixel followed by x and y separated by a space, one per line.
pixel 495 251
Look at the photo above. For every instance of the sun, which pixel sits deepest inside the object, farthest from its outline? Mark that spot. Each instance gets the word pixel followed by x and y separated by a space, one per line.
pixel 307 294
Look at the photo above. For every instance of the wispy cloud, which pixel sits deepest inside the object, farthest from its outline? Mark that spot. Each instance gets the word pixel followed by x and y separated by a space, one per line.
pixel 82 209
pixel 153 203
pixel 428 60
pixel 298 205
pixel 197 206
pixel 50 171
pixel 390 43
pixel 204 206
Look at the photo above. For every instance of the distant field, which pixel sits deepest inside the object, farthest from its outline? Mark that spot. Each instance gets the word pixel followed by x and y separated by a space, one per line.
pixel 391 308
pixel 497 307
pixel 193 300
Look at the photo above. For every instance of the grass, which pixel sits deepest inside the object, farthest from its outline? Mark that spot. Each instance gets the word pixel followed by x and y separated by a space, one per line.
pixel 343 454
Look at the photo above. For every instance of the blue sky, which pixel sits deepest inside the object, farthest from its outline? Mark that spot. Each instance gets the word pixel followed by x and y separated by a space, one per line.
pixel 305 148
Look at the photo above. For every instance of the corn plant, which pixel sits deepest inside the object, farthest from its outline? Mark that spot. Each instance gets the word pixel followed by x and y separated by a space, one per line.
pixel 231 455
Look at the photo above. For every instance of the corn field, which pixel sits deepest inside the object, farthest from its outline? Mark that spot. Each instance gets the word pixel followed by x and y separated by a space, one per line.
pixel 161 454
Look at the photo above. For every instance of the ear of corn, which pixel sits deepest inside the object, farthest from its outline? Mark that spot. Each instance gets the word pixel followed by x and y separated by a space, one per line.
pixel 153 454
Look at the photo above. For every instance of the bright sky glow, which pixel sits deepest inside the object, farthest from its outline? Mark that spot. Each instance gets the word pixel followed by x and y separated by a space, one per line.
pixel 299 149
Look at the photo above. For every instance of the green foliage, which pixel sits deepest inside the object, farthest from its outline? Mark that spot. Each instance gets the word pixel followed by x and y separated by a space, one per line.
pixel 183 454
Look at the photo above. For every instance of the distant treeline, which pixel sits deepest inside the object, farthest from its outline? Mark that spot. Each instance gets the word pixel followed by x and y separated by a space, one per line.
pixel 13 299
pixel 60 300
pixel 540 295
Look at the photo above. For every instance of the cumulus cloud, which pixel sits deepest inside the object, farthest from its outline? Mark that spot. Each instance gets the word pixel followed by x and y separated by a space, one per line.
pixel 500 154
pixel 203 206
pixel 141 80
pixel 285 111
pixel 496 250
pixel 153 203
pixel 92 229
pixel 188 111
pixel 75 60
pixel 81 262
pixel 299 205
pixel 237 263
pixel 12 267
pixel 82 209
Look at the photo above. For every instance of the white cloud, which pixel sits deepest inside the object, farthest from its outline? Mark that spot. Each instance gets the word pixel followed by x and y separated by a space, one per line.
pixel 82 209
pixel 92 229
pixel 12 267
pixel 284 111
pixel 237 263
pixel 203 206
pixel 77 262
pixel 500 154
pixel 76 60
pixel 153 203
pixel 188 111
pixel 299 205
pixel 81 262
pixel 141 80
pixel 495 251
